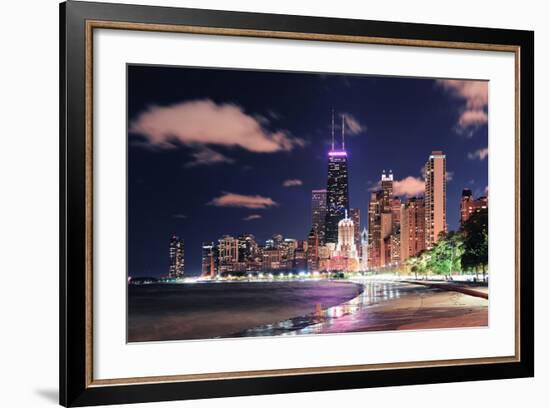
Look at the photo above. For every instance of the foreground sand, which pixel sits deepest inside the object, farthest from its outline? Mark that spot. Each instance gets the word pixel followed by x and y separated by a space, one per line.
pixel 402 306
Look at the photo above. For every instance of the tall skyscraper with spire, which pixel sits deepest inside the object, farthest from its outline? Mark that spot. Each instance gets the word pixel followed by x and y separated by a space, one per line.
pixel 337 187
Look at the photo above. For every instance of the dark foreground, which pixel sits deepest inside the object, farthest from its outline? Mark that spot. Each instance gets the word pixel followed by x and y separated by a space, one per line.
pixel 163 312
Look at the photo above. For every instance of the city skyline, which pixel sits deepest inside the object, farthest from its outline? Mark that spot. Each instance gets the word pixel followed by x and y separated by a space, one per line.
pixel 279 200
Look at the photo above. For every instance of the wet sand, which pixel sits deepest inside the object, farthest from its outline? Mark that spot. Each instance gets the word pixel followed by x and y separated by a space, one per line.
pixel 403 306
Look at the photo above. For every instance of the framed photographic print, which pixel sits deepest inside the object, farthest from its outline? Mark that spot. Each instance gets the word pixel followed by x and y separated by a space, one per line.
pixel 255 203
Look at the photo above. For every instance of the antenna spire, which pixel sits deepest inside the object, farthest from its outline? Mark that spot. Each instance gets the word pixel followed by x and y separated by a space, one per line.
pixel 332 129
pixel 343 131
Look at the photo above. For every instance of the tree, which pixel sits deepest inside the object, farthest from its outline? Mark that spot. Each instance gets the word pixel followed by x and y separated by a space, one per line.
pixel 476 242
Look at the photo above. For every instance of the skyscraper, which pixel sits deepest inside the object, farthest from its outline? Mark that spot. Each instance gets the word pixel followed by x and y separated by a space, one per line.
pixel 435 175
pixel 413 239
pixel 383 224
pixel 313 251
pixel 208 260
pixel 346 238
pixel 176 254
pixel 375 228
pixel 228 254
pixel 364 249
pixel 355 215
pixel 319 213
pixel 337 187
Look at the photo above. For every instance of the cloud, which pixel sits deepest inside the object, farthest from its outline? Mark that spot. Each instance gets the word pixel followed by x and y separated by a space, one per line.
pixel 480 154
pixel 240 200
pixel 292 183
pixel 252 217
pixel 409 186
pixel 472 118
pixel 204 122
pixel 475 93
pixel 180 216
pixel 476 97
pixel 353 126
pixel 449 175
pixel 205 156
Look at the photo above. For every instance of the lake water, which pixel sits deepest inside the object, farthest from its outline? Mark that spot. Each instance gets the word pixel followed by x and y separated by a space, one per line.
pixel 160 312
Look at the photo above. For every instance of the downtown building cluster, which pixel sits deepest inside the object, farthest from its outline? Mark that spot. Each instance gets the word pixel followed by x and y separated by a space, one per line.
pixel 397 228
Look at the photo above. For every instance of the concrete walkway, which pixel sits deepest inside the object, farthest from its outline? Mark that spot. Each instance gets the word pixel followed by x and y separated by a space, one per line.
pixel 478 291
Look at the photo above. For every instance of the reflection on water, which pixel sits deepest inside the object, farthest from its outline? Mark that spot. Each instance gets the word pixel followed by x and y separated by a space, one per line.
pixel 324 319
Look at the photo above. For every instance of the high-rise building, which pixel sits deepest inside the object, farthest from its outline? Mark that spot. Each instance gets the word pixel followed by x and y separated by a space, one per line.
pixel 364 249
pixel 383 224
pixel 299 264
pixel 469 205
pixel 386 185
pixel 435 175
pixel 319 213
pixel 209 259
pixel 228 254
pixel 412 234
pixel 337 187
pixel 176 256
pixel 375 229
pixel 355 215
pixel 346 238
pixel 395 242
pixel 313 251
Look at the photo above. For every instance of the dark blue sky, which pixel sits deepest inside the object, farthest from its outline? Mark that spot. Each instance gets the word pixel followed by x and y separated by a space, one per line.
pixel 177 166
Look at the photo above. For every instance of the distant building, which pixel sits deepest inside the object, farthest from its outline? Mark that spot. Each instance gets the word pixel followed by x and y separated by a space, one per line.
pixel 355 215
pixel 273 261
pixel 346 239
pixel 209 260
pixel 435 175
pixel 299 263
pixel 319 213
pixel 413 239
pixel 364 249
pixel 313 251
pixel 383 221
pixel 228 255
pixel 395 241
pixel 469 205
pixel 176 256
pixel 247 247
pixel 337 187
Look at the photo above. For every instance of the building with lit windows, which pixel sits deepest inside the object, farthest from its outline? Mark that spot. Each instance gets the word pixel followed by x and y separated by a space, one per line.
pixel 469 205
pixel 176 256
pixel 319 213
pixel 337 187
pixel 209 260
pixel 435 176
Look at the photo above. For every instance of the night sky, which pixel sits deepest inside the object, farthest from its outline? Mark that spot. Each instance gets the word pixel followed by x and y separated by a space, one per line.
pixel 214 152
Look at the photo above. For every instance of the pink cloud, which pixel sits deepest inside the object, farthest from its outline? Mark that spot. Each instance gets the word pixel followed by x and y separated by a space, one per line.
pixel 409 186
pixel 472 118
pixel 206 156
pixel 292 183
pixel 475 93
pixel 203 122
pixel 480 154
pixel 240 200
pixel 252 217
pixel 476 97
